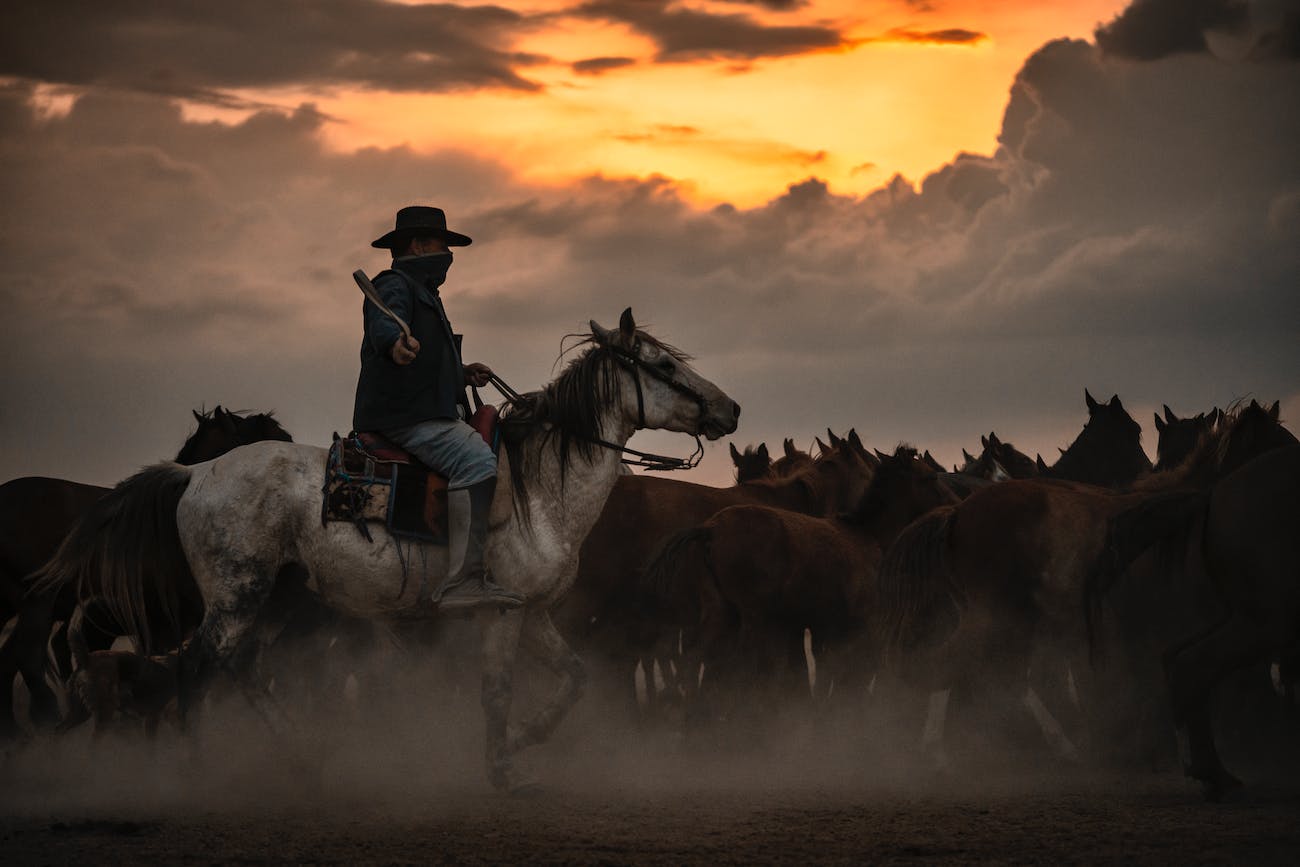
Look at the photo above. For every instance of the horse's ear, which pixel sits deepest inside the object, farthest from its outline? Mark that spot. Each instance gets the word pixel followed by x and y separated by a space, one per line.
pixel 198 417
pixel 1160 425
pixel 984 441
pixel 1038 462
pixel 1114 402
pixel 1169 414
pixel 856 441
pixel 789 448
pixel 1061 450
pixel 993 438
pixel 602 335
pixel 822 447
pixel 627 326
pixel 968 456
pixel 1088 399
pixel 763 454
pixel 735 455
pixel 881 455
pixel 1275 411
pixel 836 442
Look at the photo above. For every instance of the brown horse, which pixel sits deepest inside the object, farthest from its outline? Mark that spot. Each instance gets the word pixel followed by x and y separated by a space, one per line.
pixel 116 687
pixel 763 575
pixel 37 514
pixel 986 597
pixel 1179 436
pixel 1229 554
pixel 752 464
pixel 792 462
pixel 604 614
pixel 1107 452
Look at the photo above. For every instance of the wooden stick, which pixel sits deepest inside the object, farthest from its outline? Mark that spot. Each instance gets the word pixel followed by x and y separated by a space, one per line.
pixel 370 292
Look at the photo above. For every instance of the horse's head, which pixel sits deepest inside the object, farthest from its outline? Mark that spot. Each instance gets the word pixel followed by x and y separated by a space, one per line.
pixel 1013 462
pixel 903 487
pixel 752 463
pixel 841 473
pixel 221 430
pixel 1177 437
pixel 792 462
pixel 1249 432
pixel 662 391
pixel 1108 451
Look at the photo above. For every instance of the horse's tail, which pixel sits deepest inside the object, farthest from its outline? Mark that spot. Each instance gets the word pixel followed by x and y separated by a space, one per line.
pixel 914 588
pixel 668 582
pixel 1162 520
pixel 126 549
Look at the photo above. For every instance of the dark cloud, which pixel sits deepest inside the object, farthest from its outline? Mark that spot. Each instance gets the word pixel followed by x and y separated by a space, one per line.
pixel 774 5
pixel 1151 29
pixel 948 36
pixel 196 50
pixel 601 65
pixel 1133 233
pixel 684 34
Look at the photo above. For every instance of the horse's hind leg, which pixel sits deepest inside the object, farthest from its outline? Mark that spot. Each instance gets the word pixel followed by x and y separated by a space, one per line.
pixel 542 639
pixel 1193 670
pixel 233 605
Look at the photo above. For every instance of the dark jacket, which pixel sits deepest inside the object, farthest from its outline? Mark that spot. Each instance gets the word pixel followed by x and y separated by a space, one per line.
pixel 391 395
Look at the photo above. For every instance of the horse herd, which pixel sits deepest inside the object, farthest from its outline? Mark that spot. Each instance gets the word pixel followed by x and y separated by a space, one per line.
pixel 1102 598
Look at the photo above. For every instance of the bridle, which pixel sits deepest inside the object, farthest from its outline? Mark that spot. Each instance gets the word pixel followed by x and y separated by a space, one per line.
pixel 632 361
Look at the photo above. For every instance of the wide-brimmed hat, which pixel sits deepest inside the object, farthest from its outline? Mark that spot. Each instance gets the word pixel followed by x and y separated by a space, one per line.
pixel 419 220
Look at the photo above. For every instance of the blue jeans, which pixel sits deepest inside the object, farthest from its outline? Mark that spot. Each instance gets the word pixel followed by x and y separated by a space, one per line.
pixel 448 446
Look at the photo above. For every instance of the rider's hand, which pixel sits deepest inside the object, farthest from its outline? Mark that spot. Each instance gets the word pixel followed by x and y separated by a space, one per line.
pixel 404 350
pixel 477 374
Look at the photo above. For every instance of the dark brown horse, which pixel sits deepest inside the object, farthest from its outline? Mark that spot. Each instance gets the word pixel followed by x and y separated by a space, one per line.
pixel 37 514
pixel 762 576
pixel 752 464
pixel 1222 592
pixel 986 597
pixel 1179 436
pixel 604 614
pixel 1107 452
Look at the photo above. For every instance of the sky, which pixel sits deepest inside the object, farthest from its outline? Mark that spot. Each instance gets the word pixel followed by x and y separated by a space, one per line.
pixel 924 220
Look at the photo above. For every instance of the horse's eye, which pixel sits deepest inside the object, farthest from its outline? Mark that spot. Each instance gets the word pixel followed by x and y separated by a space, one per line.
pixel 667 365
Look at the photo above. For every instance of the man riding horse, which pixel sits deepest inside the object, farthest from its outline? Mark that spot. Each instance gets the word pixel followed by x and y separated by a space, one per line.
pixel 412 391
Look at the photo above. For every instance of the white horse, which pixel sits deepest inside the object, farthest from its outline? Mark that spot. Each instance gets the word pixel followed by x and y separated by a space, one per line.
pixel 253 517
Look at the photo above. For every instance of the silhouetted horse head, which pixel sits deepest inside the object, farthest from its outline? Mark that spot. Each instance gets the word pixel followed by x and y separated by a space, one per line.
pixel 1179 436
pixel 1251 431
pixel 753 463
pixel 903 487
pixel 793 461
pixel 222 430
pixel 1108 451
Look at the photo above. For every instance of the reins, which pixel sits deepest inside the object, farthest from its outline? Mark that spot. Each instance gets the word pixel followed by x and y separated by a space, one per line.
pixel 647 460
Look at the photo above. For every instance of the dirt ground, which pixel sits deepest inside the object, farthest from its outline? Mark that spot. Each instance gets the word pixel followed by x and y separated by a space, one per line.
pixel 424 801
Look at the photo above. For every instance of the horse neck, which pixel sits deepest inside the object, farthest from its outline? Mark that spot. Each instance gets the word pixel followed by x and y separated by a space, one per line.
pixel 797 493
pixel 576 488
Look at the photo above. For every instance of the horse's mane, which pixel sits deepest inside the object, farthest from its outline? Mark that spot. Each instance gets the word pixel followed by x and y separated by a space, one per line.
pixel 568 410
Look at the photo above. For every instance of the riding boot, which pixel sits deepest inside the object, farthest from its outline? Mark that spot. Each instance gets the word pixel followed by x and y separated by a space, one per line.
pixel 468 583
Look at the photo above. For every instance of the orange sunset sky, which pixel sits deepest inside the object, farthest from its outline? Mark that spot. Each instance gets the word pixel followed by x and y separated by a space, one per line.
pixel 923 219
pixel 900 88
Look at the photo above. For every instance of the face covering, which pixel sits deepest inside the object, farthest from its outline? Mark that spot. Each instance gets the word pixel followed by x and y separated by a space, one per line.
pixel 429 270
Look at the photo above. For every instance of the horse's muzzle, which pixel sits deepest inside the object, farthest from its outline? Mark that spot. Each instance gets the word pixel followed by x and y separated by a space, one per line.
pixel 721 419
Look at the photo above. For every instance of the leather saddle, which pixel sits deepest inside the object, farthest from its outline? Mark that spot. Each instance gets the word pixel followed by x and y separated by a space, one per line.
pixel 370 479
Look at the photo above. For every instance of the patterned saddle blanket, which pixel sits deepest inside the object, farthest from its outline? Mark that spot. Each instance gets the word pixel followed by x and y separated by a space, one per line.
pixel 370 480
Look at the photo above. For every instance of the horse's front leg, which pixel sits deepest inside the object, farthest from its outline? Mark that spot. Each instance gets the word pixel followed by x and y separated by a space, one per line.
pixel 500 645
pixel 543 640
